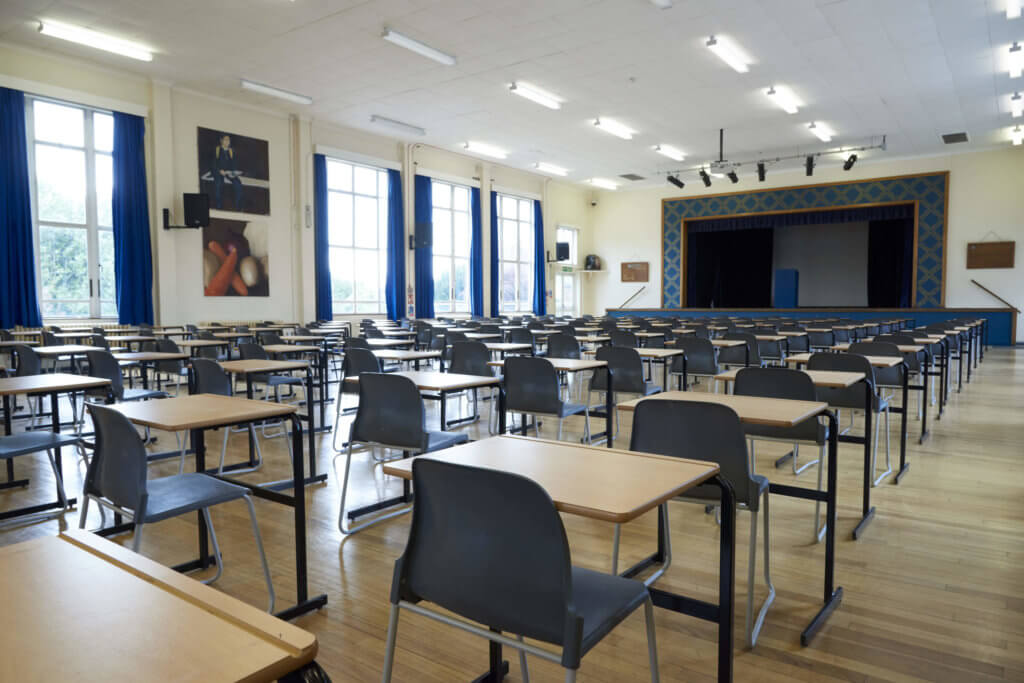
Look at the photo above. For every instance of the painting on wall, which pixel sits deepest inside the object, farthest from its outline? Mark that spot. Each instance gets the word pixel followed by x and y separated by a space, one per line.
pixel 235 259
pixel 234 170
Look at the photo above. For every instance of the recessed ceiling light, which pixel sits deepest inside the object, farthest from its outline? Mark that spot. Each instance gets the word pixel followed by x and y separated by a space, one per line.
pixel 545 167
pixel 1016 105
pixel 397 125
pixel 783 98
pixel 820 131
pixel 673 153
pixel 95 39
pixel 1017 135
pixel 535 94
pixel 666 4
pixel 728 54
pixel 275 92
pixel 1016 60
pixel 485 149
pixel 1013 9
pixel 416 46
pixel 604 183
pixel 614 127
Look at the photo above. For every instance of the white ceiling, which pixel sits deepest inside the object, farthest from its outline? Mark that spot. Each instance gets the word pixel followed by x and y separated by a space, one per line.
pixel 911 69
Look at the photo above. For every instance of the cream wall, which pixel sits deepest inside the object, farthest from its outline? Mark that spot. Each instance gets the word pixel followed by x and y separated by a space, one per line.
pixel 985 195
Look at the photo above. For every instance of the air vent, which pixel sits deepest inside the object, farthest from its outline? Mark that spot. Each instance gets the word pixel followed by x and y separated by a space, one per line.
pixel 953 138
pixel 631 176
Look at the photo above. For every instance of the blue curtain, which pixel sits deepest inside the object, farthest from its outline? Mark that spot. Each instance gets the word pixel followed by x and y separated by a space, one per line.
pixel 495 275
pixel 476 255
pixel 539 266
pixel 321 250
pixel 424 261
pixel 133 257
pixel 18 302
pixel 394 289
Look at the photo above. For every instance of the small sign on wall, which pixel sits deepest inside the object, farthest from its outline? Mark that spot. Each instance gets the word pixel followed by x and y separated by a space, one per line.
pixel 636 271
pixel 990 254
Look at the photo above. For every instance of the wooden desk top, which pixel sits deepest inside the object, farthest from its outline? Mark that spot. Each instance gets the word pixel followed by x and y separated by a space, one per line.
pixel 601 483
pixel 543 333
pixel 253 366
pixel 211 328
pixel 565 364
pixel 645 335
pixel 503 327
pixel 199 343
pixel 769 337
pixel 119 616
pixel 461 329
pixel 773 412
pixel 594 339
pixel 295 338
pixel 49 382
pixel 404 354
pixel 388 343
pixel 684 330
pixel 398 333
pixel 832 379
pixel 659 353
pixel 727 343
pixel 904 348
pixel 291 348
pixel 429 380
pixel 66 350
pixel 483 335
pixel 150 356
pixel 200 411
pixel 876 361
pixel 507 346
pixel 232 335
pixel 72 335
pixel 587 328
pixel 793 334
pixel 130 338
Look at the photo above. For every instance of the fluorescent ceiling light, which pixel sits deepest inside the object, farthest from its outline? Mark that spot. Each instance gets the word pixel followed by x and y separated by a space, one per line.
pixel 783 98
pixel 1017 135
pixel 276 92
pixel 1016 60
pixel 416 46
pixel 1016 105
pixel 95 39
pixel 614 127
pixel 728 54
pixel 535 94
pixel 545 167
pixel 673 153
pixel 604 183
pixel 397 125
pixel 667 4
pixel 1013 9
pixel 820 131
pixel 485 149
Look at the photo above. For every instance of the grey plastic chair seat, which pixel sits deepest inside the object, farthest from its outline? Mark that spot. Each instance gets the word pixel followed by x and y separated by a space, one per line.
pixel 279 380
pixel 604 601
pixel 759 485
pixel 24 443
pixel 439 440
pixel 182 493
pixel 143 394
pixel 566 409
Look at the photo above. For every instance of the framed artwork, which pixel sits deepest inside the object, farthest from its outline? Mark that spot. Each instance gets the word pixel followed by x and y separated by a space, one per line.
pixel 235 258
pixel 234 170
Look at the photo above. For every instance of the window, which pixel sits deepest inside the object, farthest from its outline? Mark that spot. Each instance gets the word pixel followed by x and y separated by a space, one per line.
pixel 70 155
pixel 570 235
pixel 515 253
pixel 357 227
pixel 566 280
pixel 451 244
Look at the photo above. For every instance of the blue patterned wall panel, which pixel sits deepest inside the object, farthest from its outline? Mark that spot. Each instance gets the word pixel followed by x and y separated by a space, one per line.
pixel 929 191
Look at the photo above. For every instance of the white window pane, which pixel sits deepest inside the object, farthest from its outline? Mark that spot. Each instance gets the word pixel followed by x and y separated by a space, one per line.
pixel 508 207
pixel 442 279
pixel 63 263
pixel 366 221
pixel 461 280
pixel 341 275
pixel 104 190
pixel 525 242
pixel 106 252
pixel 365 180
pixel 103 132
pixel 367 308
pixel 508 284
pixel 509 251
pixel 65 309
pixel 460 199
pixel 525 210
pixel 441 195
pixel 461 233
pixel 525 286
pixel 342 308
pixel 339 176
pixel 365 270
pixel 339 219
pixel 382 184
pixel 442 231
pixel 382 223
pixel 57 123
pixel 60 184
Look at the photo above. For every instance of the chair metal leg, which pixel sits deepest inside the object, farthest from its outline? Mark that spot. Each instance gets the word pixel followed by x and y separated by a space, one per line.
pixel 389 650
pixel 763 612
pixel 819 533
pixel 216 547
pixel 616 537
pixel 522 662
pixel 342 520
pixel 652 642
pixel 263 554
pixel 223 450
pixel 570 676
pixel 59 478
pixel 137 537
pixel 83 512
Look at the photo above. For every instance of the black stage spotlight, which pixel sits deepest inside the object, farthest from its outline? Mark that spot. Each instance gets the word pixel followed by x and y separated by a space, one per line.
pixel 809 164
pixel 760 171
pixel 705 178
pixel 731 175
pixel 850 161
pixel 676 181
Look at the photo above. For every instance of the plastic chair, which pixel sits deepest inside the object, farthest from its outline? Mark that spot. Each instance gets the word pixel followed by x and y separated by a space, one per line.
pixel 472 358
pixel 735 355
pixel 701 359
pixel 116 480
pixel 628 371
pixel 531 388
pixel 623 338
pixel 536 594
pixel 390 415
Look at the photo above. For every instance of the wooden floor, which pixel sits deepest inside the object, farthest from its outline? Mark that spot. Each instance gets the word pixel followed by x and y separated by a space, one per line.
pixel 933 592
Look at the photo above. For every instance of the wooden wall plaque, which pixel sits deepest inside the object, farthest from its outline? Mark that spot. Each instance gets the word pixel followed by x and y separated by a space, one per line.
pixel 990 254
pixel 636 271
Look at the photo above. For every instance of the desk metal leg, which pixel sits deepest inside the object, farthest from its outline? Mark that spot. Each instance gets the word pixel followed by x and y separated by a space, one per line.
pixel 904 465
pixel 199 447
pixel 925 397
pixel 867 511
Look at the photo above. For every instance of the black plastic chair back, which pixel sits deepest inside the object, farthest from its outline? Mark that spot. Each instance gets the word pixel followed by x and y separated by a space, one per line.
pixel 103 364
pixel 457 531
pixel 390 412
pixel 270 338
pixel 170 366
pixel 735 355
pixel 520 335
pixel 27 361
pixel 850 397
pixel 626 367
pixel 49 339
pixel 531 385
pixel 470 358
pixel 356 343
pixel 623 338
pixel 700 356
pixel 787 383
pixel 359 360
pixel 252 352
pixel 210 378
pixel 890 377
pixel 563 346
pixel 99 341
pixel 117 470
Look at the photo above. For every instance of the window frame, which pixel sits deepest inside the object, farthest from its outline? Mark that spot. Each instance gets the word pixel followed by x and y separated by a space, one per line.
pixel 454 305
pixel 520 307
pixel 91 226
pixel 380 252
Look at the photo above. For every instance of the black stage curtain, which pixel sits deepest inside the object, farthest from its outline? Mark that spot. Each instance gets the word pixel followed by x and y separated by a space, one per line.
pixel 729 269
pixel 890 262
